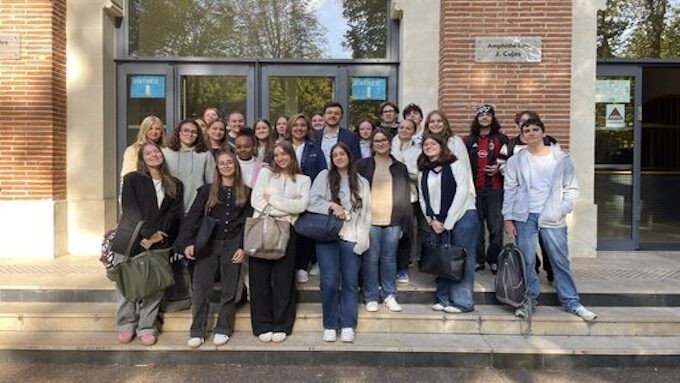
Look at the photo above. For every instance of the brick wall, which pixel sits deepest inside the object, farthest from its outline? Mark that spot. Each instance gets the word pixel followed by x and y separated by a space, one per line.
pixel 33 102
pixel 544 87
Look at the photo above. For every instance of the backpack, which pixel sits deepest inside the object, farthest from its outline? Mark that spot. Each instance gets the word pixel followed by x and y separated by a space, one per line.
pixel 511 284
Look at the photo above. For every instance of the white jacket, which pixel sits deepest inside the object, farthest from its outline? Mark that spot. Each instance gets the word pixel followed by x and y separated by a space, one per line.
pixel 287 199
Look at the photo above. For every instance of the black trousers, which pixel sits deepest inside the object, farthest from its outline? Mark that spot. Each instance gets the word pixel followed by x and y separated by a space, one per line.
pixel 489 205
pixel 205 269
pixel 305 253
pixel 272 291
pixel 409 246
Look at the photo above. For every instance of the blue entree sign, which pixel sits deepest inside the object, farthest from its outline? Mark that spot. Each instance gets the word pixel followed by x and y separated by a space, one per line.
pixel 147 87
pixel 369 88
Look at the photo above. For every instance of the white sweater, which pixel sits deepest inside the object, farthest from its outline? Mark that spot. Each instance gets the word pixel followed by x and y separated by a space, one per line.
pixel 287 199
pixel 408 154
pixel 359 225
pixel 463 201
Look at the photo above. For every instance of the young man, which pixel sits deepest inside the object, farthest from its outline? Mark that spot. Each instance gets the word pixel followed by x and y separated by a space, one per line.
pixel 332 133
pixel 389 114
pixel 484 148
pixel 234 125
pixel 414 113
pixel 540 190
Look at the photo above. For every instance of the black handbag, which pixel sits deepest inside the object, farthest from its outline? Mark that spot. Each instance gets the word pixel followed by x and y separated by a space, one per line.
pixel 204 235
pixel 319 227
pixel 440 258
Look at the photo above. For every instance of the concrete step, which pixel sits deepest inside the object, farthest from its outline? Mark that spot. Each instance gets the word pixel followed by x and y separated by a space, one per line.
pixel 374 349
pixel 416 318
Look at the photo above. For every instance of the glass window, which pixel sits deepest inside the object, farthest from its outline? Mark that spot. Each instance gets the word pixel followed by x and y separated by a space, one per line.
pixel 298 29
pixel 226 93
pixel 146 97
pixel 290 95
pixel 365 96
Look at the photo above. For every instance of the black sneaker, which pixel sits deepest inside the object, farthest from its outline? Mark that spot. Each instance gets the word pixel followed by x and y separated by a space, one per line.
pixel 494 268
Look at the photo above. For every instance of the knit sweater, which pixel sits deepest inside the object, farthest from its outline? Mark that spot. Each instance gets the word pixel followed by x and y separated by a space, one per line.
pixel 287 199
pixel 192 168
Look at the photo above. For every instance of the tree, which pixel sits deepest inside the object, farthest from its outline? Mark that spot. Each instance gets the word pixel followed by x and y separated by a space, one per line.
pixel 611 24
pixel 647 34
pixel 670 45
pixel 367 32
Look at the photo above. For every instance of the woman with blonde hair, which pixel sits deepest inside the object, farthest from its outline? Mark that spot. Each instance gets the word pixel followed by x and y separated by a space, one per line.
pixel 151 129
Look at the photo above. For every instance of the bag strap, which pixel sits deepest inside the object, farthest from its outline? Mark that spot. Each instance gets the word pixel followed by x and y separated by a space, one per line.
pixel 135 233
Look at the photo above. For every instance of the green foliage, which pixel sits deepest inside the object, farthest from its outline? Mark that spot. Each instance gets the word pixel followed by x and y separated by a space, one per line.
pixel 367 32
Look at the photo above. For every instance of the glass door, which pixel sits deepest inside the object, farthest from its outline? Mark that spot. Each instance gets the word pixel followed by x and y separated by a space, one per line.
pixel 617 156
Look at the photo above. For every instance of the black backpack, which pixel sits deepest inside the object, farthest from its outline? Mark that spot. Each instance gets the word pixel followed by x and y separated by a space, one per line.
pixel 511 283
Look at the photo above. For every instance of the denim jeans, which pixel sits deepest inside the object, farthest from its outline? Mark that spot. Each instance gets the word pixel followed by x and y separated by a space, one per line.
pixel 555 241
pixel 461 294
pixel 380 262
pixel 339 283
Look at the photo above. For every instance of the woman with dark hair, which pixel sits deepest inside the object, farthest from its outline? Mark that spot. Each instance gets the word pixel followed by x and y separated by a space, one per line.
pixel 364 129
pixel 228 201
pixel 284 192
pixel 317 121
pixel 341 191
pixel 436 122
pixel 153 196
pixel 188 160
pixel 216 136
pixel 281 128
pixel 311 160
pixel 201 124
pixel 265 139
pixel 447 200
pixel 390 211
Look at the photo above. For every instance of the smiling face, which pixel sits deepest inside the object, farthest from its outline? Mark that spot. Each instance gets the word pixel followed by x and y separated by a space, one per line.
pixel 406 130
pixel 244 147
pixel 381 145
pixel 236 122
pixel 281 158
pixel 155 132
pixel 436 123
pixel 281 126
pixel 216 131
pixel 152 156
pixel 262 131
pixel 485 119
pixel 365 130
pixel 299 130
pixel 187 135
pixel 226 165
pixel 432 149
pixel 317 122
pixel 414 116
pixel 340 158
pixel 332 116
pixel 210 115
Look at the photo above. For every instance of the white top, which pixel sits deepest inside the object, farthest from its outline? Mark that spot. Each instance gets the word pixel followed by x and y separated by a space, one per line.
pixel 541 171
pixel 463 201
pixel 408 154
pixel 298 152
pixel 327 143
pixel 247 171
pixel 160 193
pixel 287 199
pixel 434 187
pixel 365 146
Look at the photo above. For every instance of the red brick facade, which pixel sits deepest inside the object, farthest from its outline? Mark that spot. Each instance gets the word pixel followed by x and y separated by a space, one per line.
pixel 544 87
pixel 33 102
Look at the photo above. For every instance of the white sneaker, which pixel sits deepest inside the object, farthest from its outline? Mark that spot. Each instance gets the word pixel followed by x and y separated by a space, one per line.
pixel 438 307
pixel 314 270
pixel 585 314
pixel 521 313
pixel 278 337
pixel 452 310
pixel 329 335
pixel 372 306
pixel 347 334
pixel 220 339
pixel 266 337
pixel 195 342
pixel 301 276
pixel 391 304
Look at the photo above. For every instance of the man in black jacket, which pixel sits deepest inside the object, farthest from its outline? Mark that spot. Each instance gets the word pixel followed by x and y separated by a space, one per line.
pixel 332 133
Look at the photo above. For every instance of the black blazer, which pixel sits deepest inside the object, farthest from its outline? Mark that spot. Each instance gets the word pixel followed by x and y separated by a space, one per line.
pixel 346 137
pixel 401 189
pixel 139 203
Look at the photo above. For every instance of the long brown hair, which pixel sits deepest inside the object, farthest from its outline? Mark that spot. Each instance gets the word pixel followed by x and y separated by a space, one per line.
pixel 271 140
pixel 168 182
pixel 445 156
pixel 175 144
pixel 223 141
pixel 293 168
pixel 240 192
pixel 334 179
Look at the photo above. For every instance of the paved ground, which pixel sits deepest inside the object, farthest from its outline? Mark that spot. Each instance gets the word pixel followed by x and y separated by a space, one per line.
pixel 33 373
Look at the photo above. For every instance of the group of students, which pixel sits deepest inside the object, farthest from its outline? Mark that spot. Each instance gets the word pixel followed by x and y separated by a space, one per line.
pixel 389 184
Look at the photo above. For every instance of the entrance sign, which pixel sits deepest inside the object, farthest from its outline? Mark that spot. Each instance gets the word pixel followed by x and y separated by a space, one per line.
pixel 616 116
pixel 10 47
pixel 508 49
pixel 369 88
pixel 147 87
pixel 613 91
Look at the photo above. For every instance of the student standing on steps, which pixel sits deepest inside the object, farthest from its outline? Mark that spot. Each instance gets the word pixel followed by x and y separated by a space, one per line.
pixel 216 136
pixel 235 122
pixel 333 133
pixel 540 190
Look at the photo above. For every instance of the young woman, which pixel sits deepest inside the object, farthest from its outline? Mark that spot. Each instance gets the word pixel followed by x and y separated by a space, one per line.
pixel 201 124
pixel 311 160
pixel 405 150
pixel 151 195
pixel 447 200
pixel 228 201
pixel 150 130
pixel 436 122
pixel 210 114
pixel 364 130
pixel 317 121
pixel 281 128
pixel 248 161
pixel 341 191
pixel 188 160
pixel 265 140
pixel 390 211
pixel 285 193
pixel 216 136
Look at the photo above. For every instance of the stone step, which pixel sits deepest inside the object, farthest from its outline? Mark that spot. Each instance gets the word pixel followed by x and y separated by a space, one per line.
pixel 416 318
pixel 373 349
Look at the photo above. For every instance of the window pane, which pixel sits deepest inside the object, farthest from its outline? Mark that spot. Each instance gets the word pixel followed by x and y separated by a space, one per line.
pixel 365 96
pixel 299 29
pixel 146 96
pixel 291 95
pixel 226 93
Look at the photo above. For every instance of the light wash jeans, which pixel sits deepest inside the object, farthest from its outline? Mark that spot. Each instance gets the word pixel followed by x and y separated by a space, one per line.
pixel 339 283
pixel 380 262
pixel 555 242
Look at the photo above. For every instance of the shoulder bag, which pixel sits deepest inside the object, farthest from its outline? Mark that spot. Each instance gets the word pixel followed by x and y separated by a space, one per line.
pixel 265 237
pixel 319 227
pixel 440 258
pixel 204 235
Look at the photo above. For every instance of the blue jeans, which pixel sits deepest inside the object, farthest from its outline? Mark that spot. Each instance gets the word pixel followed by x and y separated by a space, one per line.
pixel 339 283
pixel 380 261
pixel 555 242
pixel 461 294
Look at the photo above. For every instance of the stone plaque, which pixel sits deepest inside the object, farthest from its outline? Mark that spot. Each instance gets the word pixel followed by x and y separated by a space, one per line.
pixel 9 47
pixel 508 49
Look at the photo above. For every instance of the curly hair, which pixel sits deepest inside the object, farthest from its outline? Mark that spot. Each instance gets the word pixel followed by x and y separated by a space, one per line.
pixel 175 143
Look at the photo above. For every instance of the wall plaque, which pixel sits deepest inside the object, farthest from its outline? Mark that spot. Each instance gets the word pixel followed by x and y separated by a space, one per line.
pixel 10 48
pixel 508 49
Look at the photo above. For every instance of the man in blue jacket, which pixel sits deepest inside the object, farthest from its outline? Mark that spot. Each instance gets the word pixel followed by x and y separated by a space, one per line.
pixel 540 190
pixel 332 133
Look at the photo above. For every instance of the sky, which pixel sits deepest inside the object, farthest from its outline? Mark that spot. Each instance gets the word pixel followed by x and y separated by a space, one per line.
pixel 330 16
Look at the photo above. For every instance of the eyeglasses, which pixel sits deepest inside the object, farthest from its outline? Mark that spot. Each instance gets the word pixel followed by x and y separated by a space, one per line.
pixel 189 132
pixel 388 111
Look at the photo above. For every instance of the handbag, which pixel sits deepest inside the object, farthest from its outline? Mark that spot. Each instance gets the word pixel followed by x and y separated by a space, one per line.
pixel 204 235
pixel 265 237
pixel 146 273
pixel 440 258
pixel 319 227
